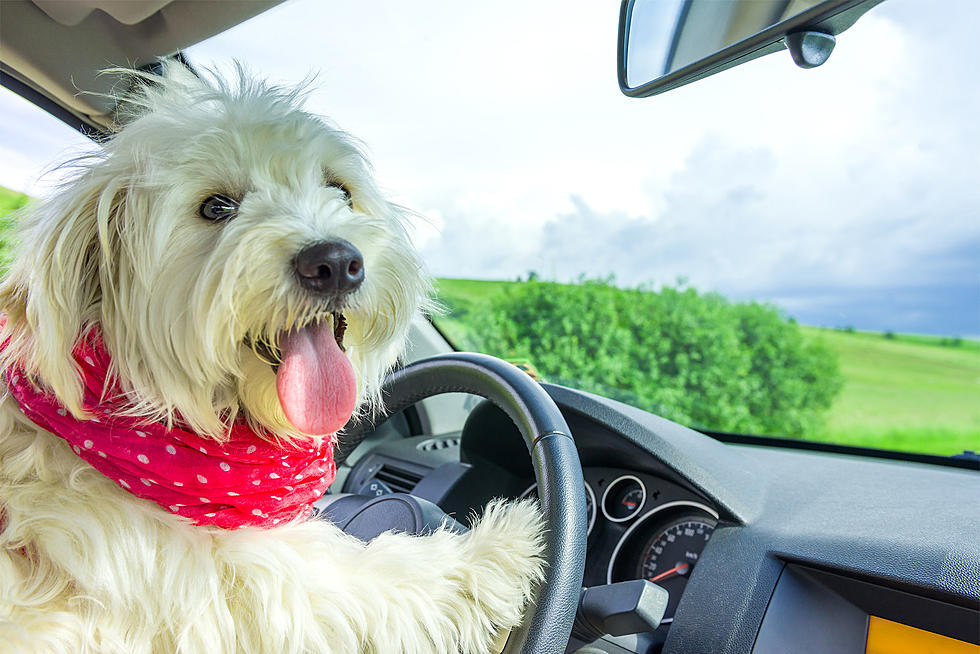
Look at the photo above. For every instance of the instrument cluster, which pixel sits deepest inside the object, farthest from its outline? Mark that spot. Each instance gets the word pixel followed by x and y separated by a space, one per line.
pixel 643 527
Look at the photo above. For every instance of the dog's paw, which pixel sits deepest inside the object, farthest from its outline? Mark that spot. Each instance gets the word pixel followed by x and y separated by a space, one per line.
pixel 506 552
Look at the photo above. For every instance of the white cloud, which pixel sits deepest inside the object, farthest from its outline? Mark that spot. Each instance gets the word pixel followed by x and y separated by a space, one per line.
pixel 503 124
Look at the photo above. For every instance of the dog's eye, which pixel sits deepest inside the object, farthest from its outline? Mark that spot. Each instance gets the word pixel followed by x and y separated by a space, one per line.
pixel 343 189
pixel 218 207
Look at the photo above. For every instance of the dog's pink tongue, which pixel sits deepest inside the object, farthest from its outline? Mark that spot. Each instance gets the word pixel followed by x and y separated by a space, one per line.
pixel 315 381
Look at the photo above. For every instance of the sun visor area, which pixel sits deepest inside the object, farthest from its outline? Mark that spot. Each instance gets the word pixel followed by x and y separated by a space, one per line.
pixel 75 11
pixel 57 48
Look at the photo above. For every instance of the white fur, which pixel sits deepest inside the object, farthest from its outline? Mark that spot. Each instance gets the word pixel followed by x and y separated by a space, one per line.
pixel 87 567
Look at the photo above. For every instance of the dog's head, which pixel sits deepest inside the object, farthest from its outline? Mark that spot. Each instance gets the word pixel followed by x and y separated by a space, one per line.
pixel 236 253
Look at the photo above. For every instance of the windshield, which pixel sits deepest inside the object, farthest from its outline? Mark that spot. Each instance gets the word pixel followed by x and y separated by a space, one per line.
pixel 769 250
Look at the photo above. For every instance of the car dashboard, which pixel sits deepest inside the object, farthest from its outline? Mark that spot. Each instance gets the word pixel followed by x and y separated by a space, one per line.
pixel 762 549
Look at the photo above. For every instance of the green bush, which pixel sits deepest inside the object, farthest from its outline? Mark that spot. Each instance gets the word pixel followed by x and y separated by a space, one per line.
pixel 694 358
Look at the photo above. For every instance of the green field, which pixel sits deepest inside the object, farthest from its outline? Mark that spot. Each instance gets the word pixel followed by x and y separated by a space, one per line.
pixel 901 392
pixel 905 393
pixel 9 201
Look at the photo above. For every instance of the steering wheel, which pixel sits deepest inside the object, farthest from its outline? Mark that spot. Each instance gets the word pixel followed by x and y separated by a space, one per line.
pixel 548 624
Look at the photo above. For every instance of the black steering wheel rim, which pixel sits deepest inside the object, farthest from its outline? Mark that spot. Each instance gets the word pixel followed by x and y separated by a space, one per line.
pixel 561 488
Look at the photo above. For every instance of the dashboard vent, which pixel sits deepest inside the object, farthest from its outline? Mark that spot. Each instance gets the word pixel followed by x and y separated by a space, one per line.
pixel 434 444
pixel 397 479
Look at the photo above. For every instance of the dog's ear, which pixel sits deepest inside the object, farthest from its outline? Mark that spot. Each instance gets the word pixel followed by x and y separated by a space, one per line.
pixel 55 285
pixel 70 250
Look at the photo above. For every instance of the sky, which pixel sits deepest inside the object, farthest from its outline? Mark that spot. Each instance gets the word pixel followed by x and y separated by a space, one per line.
pixel 847 195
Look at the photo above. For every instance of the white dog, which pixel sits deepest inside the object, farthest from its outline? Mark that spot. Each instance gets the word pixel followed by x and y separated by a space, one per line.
pixel 174 332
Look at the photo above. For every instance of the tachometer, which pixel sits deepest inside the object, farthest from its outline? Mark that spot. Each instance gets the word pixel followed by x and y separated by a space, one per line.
pixel 669 557
pixel 623 498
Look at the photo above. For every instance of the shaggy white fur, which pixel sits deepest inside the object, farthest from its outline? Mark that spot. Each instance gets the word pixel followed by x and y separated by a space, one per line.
pixel 182 302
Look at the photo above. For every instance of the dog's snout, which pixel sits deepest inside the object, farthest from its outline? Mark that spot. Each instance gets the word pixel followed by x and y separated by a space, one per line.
pixel 330 267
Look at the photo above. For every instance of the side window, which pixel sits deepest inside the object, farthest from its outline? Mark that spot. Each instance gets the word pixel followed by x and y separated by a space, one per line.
pixel 32 145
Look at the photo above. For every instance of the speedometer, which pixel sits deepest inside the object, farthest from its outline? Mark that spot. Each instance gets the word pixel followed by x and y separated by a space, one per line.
pixel 669 557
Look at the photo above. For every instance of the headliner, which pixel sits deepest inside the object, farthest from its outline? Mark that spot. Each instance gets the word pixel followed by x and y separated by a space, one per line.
pixel 53 50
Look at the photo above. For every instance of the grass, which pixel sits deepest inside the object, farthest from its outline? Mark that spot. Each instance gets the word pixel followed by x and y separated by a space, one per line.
pixel 902 391
pixel 908 392
pixel 10 201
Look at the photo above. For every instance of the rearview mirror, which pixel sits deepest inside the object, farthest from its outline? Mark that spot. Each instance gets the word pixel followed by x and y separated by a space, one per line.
pixel 664 44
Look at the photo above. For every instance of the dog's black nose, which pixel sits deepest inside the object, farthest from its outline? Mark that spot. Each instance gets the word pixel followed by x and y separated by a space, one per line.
pixel 330 267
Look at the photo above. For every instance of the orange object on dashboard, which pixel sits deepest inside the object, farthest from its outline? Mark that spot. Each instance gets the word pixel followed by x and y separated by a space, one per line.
pixel 887 637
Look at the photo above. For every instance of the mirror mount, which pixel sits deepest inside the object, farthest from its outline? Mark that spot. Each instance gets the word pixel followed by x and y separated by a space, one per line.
pixel 809 49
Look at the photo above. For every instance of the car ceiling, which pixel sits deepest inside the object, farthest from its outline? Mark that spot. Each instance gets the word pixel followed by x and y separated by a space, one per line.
pixel 52 50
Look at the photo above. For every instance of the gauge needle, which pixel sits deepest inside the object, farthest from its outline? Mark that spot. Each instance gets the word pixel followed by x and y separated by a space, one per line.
pixel 667 573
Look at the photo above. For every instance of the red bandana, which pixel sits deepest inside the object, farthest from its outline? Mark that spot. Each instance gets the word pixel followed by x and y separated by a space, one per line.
pixel 244 482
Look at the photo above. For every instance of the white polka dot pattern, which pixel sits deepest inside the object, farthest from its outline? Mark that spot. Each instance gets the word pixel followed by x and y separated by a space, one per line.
pixel 182 472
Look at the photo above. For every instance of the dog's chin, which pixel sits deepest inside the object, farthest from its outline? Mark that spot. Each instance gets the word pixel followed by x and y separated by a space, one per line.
pixel 258 396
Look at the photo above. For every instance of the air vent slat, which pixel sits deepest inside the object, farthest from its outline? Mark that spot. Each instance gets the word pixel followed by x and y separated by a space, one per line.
pixel 438 444
pixel 398 479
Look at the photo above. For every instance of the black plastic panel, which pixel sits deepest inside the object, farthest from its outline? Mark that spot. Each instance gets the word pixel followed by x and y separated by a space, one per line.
pixel 806 618
pixel 816 611
pixel 714 470
pixel 954 620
